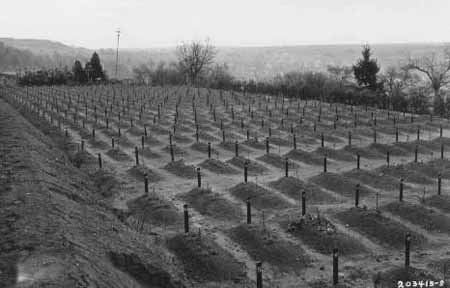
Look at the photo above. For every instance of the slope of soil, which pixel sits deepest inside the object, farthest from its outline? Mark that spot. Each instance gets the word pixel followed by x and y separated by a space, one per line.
pixel 54 228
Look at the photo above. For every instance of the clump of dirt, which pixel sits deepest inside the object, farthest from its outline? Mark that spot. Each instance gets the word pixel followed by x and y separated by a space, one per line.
pixel 106 184
pixel 294 187
pixel 335 154
pixel 230 146
pixel 97 143
pixel 411 147
pixel 213 205
pixel 325 284
pixel 118 155
pixel 218 167
pixel 148 153
pixel 205 136
pixel 390 278
pixel 340 184
pixel 305 157
pixel 182 138
pixel 277 161
pixel 264 245
pixel 145 274
pixel 278 141
pixel 205 261
pixel 365 152
pixel 328 138
pixel 256 145
pixel 135 131
pixel 150 140
pixel 157 129
pixel 320 234
pixel 380 228
pixel 140 171
pixel 180 169
pixel 123 141
pixel 260 197
pixel 154 210
pixel 405 172
pixel 432 168
pixel 253 167
pixel 373 179
pixel 384 148
pixel 441 202
pixel 420 215
pixel 203 147
pixel 82 159
pixel 178 151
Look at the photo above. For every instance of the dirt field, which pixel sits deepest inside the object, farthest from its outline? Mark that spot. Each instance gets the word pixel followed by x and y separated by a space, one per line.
pixel 67 222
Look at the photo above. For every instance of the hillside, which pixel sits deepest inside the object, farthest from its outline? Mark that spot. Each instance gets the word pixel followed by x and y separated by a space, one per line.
pixel 244 62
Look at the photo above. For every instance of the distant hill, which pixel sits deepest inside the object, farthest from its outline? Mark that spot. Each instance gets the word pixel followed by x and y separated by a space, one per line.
pixel 244 62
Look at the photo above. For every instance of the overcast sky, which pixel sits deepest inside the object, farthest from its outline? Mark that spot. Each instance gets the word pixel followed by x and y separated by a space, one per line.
pixel 151 23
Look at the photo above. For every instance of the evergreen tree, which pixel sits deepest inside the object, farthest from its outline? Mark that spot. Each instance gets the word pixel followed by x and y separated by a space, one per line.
pixel 366 70
pixel 96 68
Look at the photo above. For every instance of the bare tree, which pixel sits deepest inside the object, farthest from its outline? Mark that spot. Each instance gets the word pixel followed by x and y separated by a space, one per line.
pixel 194 58
pixel 436 68
pixel 340 73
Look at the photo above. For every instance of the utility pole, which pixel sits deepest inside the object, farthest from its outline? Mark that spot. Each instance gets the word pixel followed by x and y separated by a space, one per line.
pixel 117 50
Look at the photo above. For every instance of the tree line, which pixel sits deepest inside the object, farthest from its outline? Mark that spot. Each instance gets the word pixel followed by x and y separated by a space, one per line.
pixel 414 86
pixel 92 72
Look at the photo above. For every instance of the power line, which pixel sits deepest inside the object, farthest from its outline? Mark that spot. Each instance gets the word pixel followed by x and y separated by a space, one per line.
pixel 117 50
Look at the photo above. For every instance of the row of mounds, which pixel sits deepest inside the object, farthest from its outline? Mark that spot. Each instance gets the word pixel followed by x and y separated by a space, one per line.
pixel 153 210
pixel 339 184
pixel 293 187
pixel 211 204
pixel 381 229
pixel 267 246
pixel 426 218
pixel 260 197
pixel 205 261
pixel 317 232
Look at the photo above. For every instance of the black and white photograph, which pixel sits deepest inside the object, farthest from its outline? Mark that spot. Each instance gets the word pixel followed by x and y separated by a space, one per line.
pixel 222 144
